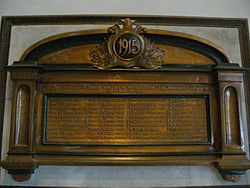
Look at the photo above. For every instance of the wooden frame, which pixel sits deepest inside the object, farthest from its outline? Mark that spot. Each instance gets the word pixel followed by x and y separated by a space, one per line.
pixel 8 22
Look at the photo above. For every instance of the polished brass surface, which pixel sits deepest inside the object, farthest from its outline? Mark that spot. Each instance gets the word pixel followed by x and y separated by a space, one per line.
pixel 132 119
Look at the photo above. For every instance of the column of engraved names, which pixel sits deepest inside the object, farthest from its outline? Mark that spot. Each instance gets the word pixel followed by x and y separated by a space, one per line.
pixel 66 119
pixel 167 119
pixel 147 119
pixel 106 119
pixel 187 120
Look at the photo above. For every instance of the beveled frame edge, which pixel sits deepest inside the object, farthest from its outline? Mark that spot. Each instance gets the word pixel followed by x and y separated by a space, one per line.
pixel 8 21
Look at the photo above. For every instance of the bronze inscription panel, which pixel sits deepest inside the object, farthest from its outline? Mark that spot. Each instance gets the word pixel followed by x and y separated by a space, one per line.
pixel 119 119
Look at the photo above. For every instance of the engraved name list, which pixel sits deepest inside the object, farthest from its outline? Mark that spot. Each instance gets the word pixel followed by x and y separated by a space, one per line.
pixel 119 119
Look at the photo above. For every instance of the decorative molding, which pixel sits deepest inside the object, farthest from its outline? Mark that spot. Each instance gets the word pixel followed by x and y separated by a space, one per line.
pixel 8 22
pixel 232 122
pixel 126 47
pixel 22 115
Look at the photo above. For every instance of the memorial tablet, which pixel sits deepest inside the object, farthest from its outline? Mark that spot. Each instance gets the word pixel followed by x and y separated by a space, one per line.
pixel 112 97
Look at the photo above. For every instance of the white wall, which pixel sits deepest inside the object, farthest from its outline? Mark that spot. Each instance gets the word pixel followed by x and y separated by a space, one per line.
pixel 126 176
pixel 212 8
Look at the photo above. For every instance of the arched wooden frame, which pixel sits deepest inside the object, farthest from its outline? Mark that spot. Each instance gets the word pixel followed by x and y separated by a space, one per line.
pixel 241 25
pixel 58 48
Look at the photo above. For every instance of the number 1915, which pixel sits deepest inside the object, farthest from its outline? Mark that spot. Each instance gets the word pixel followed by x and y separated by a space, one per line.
pixel 128 47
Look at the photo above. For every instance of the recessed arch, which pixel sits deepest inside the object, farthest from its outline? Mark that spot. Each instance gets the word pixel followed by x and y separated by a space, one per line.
pixel 73 48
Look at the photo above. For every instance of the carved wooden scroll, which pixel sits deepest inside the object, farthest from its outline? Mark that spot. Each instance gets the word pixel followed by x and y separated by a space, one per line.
pixel 126 96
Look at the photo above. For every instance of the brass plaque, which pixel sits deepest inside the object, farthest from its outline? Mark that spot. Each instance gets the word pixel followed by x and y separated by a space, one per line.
pixel 102 119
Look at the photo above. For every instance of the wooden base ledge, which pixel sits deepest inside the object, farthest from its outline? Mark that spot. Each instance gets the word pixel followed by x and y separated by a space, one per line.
pixel 22 166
